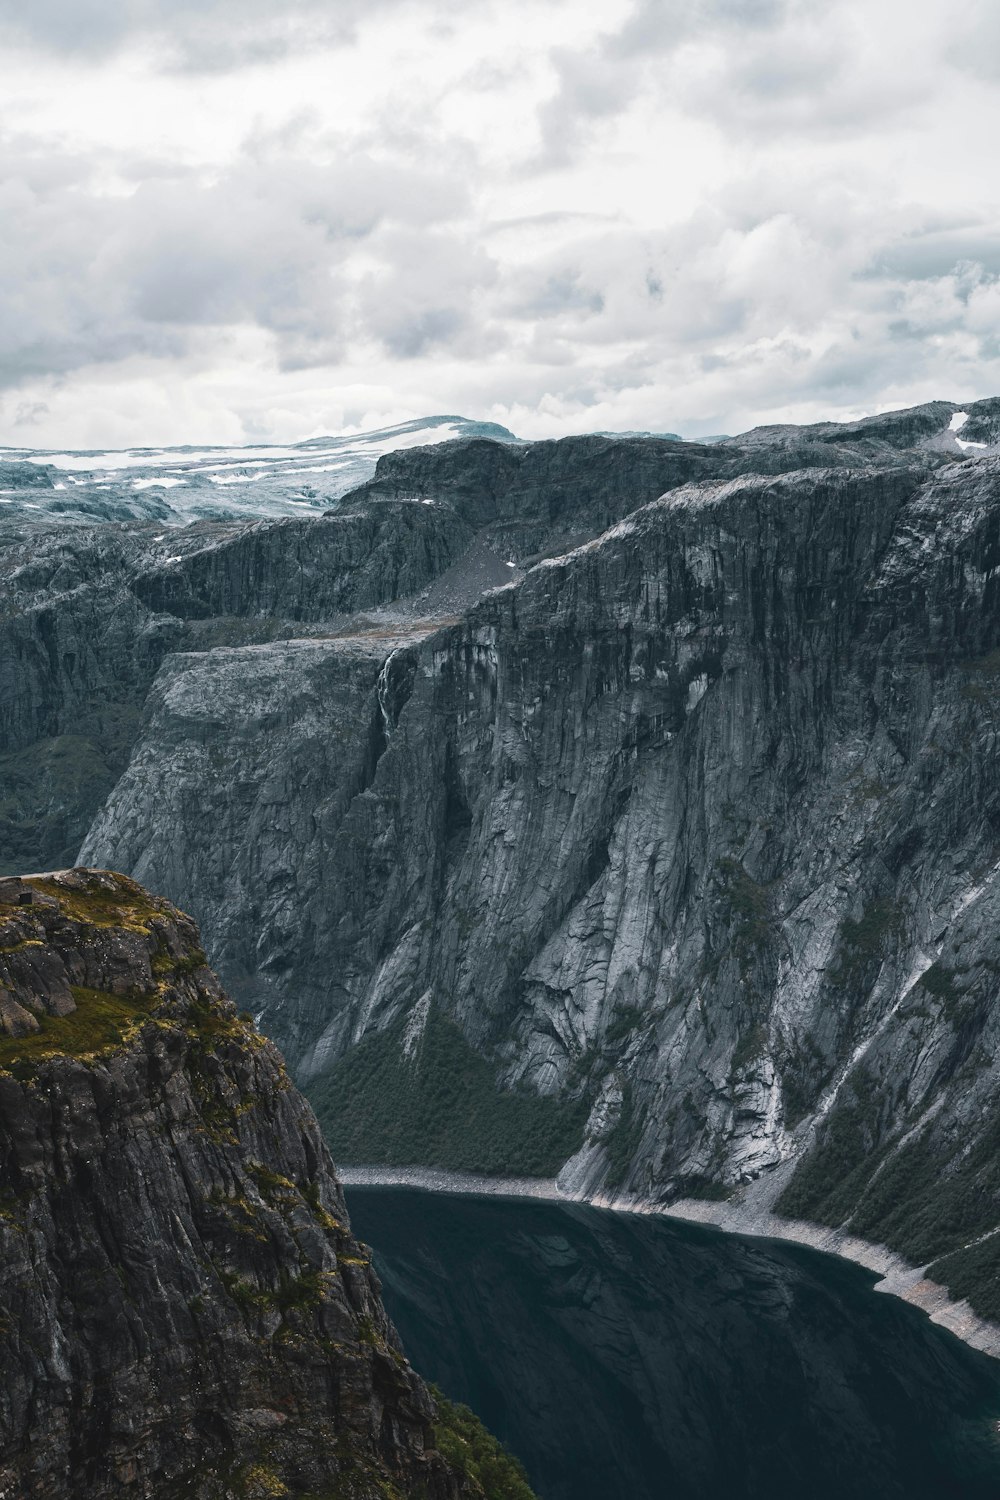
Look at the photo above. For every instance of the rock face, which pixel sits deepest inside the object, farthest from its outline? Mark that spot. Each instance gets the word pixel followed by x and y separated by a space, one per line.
pixel 184 1311
pixel 691 830
pixel 88 615
pixel 175 486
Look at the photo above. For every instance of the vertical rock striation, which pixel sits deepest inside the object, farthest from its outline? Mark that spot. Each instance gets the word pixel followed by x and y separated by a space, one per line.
pixel 184 1310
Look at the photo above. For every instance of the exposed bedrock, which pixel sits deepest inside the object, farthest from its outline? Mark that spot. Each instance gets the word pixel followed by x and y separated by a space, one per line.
pixel 184 1311
pixel 698 822
pixel 88 612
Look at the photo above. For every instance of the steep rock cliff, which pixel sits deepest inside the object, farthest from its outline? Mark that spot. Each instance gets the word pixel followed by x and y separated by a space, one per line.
pixel 88 612
pixel 87 615
pixel 184 1311
pixel 692 832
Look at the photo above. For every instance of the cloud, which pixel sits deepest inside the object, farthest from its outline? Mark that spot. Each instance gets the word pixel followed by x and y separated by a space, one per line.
pixel 634 213
pixel 973 44
pixel 91 277
pixel 765 67
pixel 205 35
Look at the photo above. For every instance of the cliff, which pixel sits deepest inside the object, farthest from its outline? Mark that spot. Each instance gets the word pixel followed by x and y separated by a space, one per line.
pixel 673 864
pixel 89 612
pixel 184 1310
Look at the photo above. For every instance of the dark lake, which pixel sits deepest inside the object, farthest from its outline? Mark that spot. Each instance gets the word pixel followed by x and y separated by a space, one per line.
pixel 627 1358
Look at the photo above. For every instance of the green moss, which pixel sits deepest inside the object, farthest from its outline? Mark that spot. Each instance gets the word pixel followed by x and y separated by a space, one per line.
pixel 102 1022
pixel 441 1108
pixel 310 1192
pixel 120 903
pixel 272 1186
pixel 292 1293
pixel 475 1453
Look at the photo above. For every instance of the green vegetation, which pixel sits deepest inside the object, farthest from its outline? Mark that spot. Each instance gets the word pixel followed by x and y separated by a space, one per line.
pixel 293 1293
pixel 926 1205
pixel 487 1471
pixel 105 1022
pixel 626 1021
pixel 939 981
pixel 751 1045
pixel 750 905
pixel 829 1181
pixel 803 1075
pixel 974 1274
pixel 869 789
pixel 623 1142
pixel 440 1108
pixel 863 943
pixel 919 1198
pixel 477 1455
pixel 120 904
pixel 101 1023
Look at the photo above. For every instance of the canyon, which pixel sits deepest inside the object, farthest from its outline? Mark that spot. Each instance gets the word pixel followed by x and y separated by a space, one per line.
pixel 633 801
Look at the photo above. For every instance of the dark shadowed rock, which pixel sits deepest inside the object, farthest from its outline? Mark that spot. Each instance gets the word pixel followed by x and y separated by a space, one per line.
pixel 184 1311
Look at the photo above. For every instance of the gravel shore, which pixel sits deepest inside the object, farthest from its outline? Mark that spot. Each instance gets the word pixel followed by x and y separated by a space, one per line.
pixel 744 1216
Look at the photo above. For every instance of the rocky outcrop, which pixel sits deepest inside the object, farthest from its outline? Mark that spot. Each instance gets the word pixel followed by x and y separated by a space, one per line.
pixel 689 832
pixel 184 1311
pixel 88 615
pixel 177 486
pixel 695 824
pixel 89 611
pixel 306 571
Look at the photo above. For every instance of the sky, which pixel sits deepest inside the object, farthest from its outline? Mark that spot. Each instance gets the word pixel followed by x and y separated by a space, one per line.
pixel 263 220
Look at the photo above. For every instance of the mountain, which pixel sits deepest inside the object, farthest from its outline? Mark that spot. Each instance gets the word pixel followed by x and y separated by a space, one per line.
pixel 174 486
pixel 184 1310
pixel 625 808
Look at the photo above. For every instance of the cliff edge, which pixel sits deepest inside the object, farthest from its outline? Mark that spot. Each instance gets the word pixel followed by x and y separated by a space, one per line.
pixel 184 1310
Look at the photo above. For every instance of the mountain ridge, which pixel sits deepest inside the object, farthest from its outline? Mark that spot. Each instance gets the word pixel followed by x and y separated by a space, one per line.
pixel 687 829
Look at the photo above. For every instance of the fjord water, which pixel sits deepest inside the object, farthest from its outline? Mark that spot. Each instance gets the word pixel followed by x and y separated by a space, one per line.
pixel 624 1357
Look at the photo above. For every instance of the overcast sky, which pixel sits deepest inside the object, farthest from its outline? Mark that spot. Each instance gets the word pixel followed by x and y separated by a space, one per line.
pixel 230 220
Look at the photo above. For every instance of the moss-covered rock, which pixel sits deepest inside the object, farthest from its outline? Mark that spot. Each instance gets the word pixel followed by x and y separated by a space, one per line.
pixel 172 1230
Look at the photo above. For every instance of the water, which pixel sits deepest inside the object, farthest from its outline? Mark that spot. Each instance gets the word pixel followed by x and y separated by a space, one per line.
pixel 627 1358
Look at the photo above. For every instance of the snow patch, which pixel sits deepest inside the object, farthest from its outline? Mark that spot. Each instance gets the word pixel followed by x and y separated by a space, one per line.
pixel 958 421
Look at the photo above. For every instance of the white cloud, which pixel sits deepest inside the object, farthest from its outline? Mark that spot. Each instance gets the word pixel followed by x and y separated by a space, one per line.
pixel 679 214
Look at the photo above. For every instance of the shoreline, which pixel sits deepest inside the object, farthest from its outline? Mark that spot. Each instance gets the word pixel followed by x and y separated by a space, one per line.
pixel 897 1276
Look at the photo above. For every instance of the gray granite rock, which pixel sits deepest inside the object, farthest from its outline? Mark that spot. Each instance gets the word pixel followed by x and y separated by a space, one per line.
pixel 184 1310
